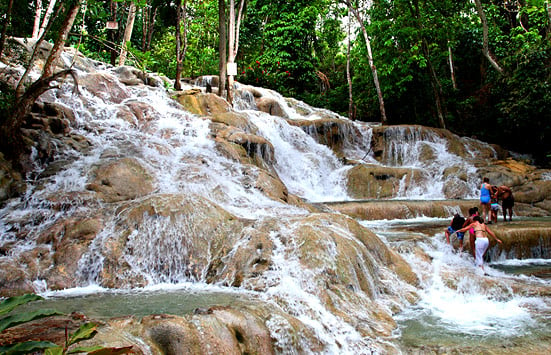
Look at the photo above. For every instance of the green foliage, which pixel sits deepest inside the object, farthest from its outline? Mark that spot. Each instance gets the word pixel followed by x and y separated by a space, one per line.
pixel 139 59
pixel 85 331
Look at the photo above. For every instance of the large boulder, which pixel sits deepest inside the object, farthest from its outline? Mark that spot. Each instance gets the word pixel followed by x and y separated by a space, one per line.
pixel 202 104
pixel 270 106
pixel 105 86
pixel 367 181
pixel 121 180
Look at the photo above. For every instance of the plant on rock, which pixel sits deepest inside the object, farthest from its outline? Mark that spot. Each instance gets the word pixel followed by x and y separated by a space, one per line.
pixel 85 331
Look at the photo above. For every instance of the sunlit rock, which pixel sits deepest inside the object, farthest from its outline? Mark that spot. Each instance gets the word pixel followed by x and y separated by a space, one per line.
pixel 235 119
pixel 202 103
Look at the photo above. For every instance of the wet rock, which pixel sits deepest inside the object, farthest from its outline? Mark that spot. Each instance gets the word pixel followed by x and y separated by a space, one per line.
pixel 235 119
pixel 104 86
pixel 14 280
pixel 402 209
pixel 11 181
pixel 331 132
pixel 374 181
pixel 270 106
pixel 121 180
pixel 195 233
pixel 132 76
pixel 202 104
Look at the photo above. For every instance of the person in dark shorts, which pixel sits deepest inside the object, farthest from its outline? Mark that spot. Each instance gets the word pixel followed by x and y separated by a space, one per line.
pixel 456 224
pixel 505 194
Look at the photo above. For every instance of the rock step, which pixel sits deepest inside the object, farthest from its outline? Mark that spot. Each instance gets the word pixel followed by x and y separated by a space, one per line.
pixel 405 209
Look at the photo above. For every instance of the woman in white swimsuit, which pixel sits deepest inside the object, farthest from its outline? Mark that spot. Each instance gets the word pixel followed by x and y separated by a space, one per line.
pixel 481 232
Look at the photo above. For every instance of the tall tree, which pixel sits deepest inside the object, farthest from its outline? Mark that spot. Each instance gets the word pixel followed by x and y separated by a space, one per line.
pixel 127 32
pixel 434 81
pixel 37 18
pixel 47 16
pixel 10 131
pixel 356 11
pixel 222 45
pixel 485 40
pixel 351 113
pixel 7 20
pixel 233 41
pixel 181 40
pixel 149 15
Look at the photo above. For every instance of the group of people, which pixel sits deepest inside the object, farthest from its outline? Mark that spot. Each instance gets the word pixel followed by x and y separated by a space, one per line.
pixel 477 225
pixel 490 196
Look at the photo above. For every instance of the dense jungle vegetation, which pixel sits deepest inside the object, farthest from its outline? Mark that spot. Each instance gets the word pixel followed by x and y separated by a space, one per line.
pixel 479 68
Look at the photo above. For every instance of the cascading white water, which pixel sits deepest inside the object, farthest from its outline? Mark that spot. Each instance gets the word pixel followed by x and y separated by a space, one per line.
pixel 407 147
pixel 176 149
pixel 308 169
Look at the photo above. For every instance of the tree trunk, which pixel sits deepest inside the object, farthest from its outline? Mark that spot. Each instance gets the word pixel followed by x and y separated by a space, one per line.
pixel 222 45
pixel 348 76
pixel 112 34
pixel 181 41
pixel 127 33
pixel 145 20
pixel 46 19
pixel 11 141
pixel 233 41
pixel 5 25
pixel 371 63
pixel 37 17
pixel 60 41
pixel 19 90
pixel 548 6
pixel 150 29
pixel 485 46
pixel 452 71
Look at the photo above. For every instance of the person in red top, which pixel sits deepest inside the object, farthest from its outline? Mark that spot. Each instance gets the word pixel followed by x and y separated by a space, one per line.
pixel 472 213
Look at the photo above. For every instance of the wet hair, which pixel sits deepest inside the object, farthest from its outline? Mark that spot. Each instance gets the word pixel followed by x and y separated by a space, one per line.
pixel 486 180
pixel 473 210
pixel 478 219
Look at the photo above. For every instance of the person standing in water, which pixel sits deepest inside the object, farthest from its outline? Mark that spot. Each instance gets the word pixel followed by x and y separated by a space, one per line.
pixel 473 211
pixel 482 242
pixel 456 223
pixel 485 190
pixel 505 194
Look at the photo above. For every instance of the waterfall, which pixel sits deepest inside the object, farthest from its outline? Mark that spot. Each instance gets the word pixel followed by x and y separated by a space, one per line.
pixel 341 282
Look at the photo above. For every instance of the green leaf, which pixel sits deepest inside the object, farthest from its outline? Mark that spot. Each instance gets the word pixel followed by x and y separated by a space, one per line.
pixel 85 349
pixel 58 350
pixel 26 347
pixel 112 351
pixel 25 317
pixel 86 331
pixel 9 304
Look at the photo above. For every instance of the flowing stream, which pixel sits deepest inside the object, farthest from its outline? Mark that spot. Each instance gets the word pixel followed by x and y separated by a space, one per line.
pixel 175 146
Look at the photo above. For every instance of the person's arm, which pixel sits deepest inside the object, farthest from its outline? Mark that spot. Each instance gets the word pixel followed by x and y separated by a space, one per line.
pixel 492 234
pixel 464 229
